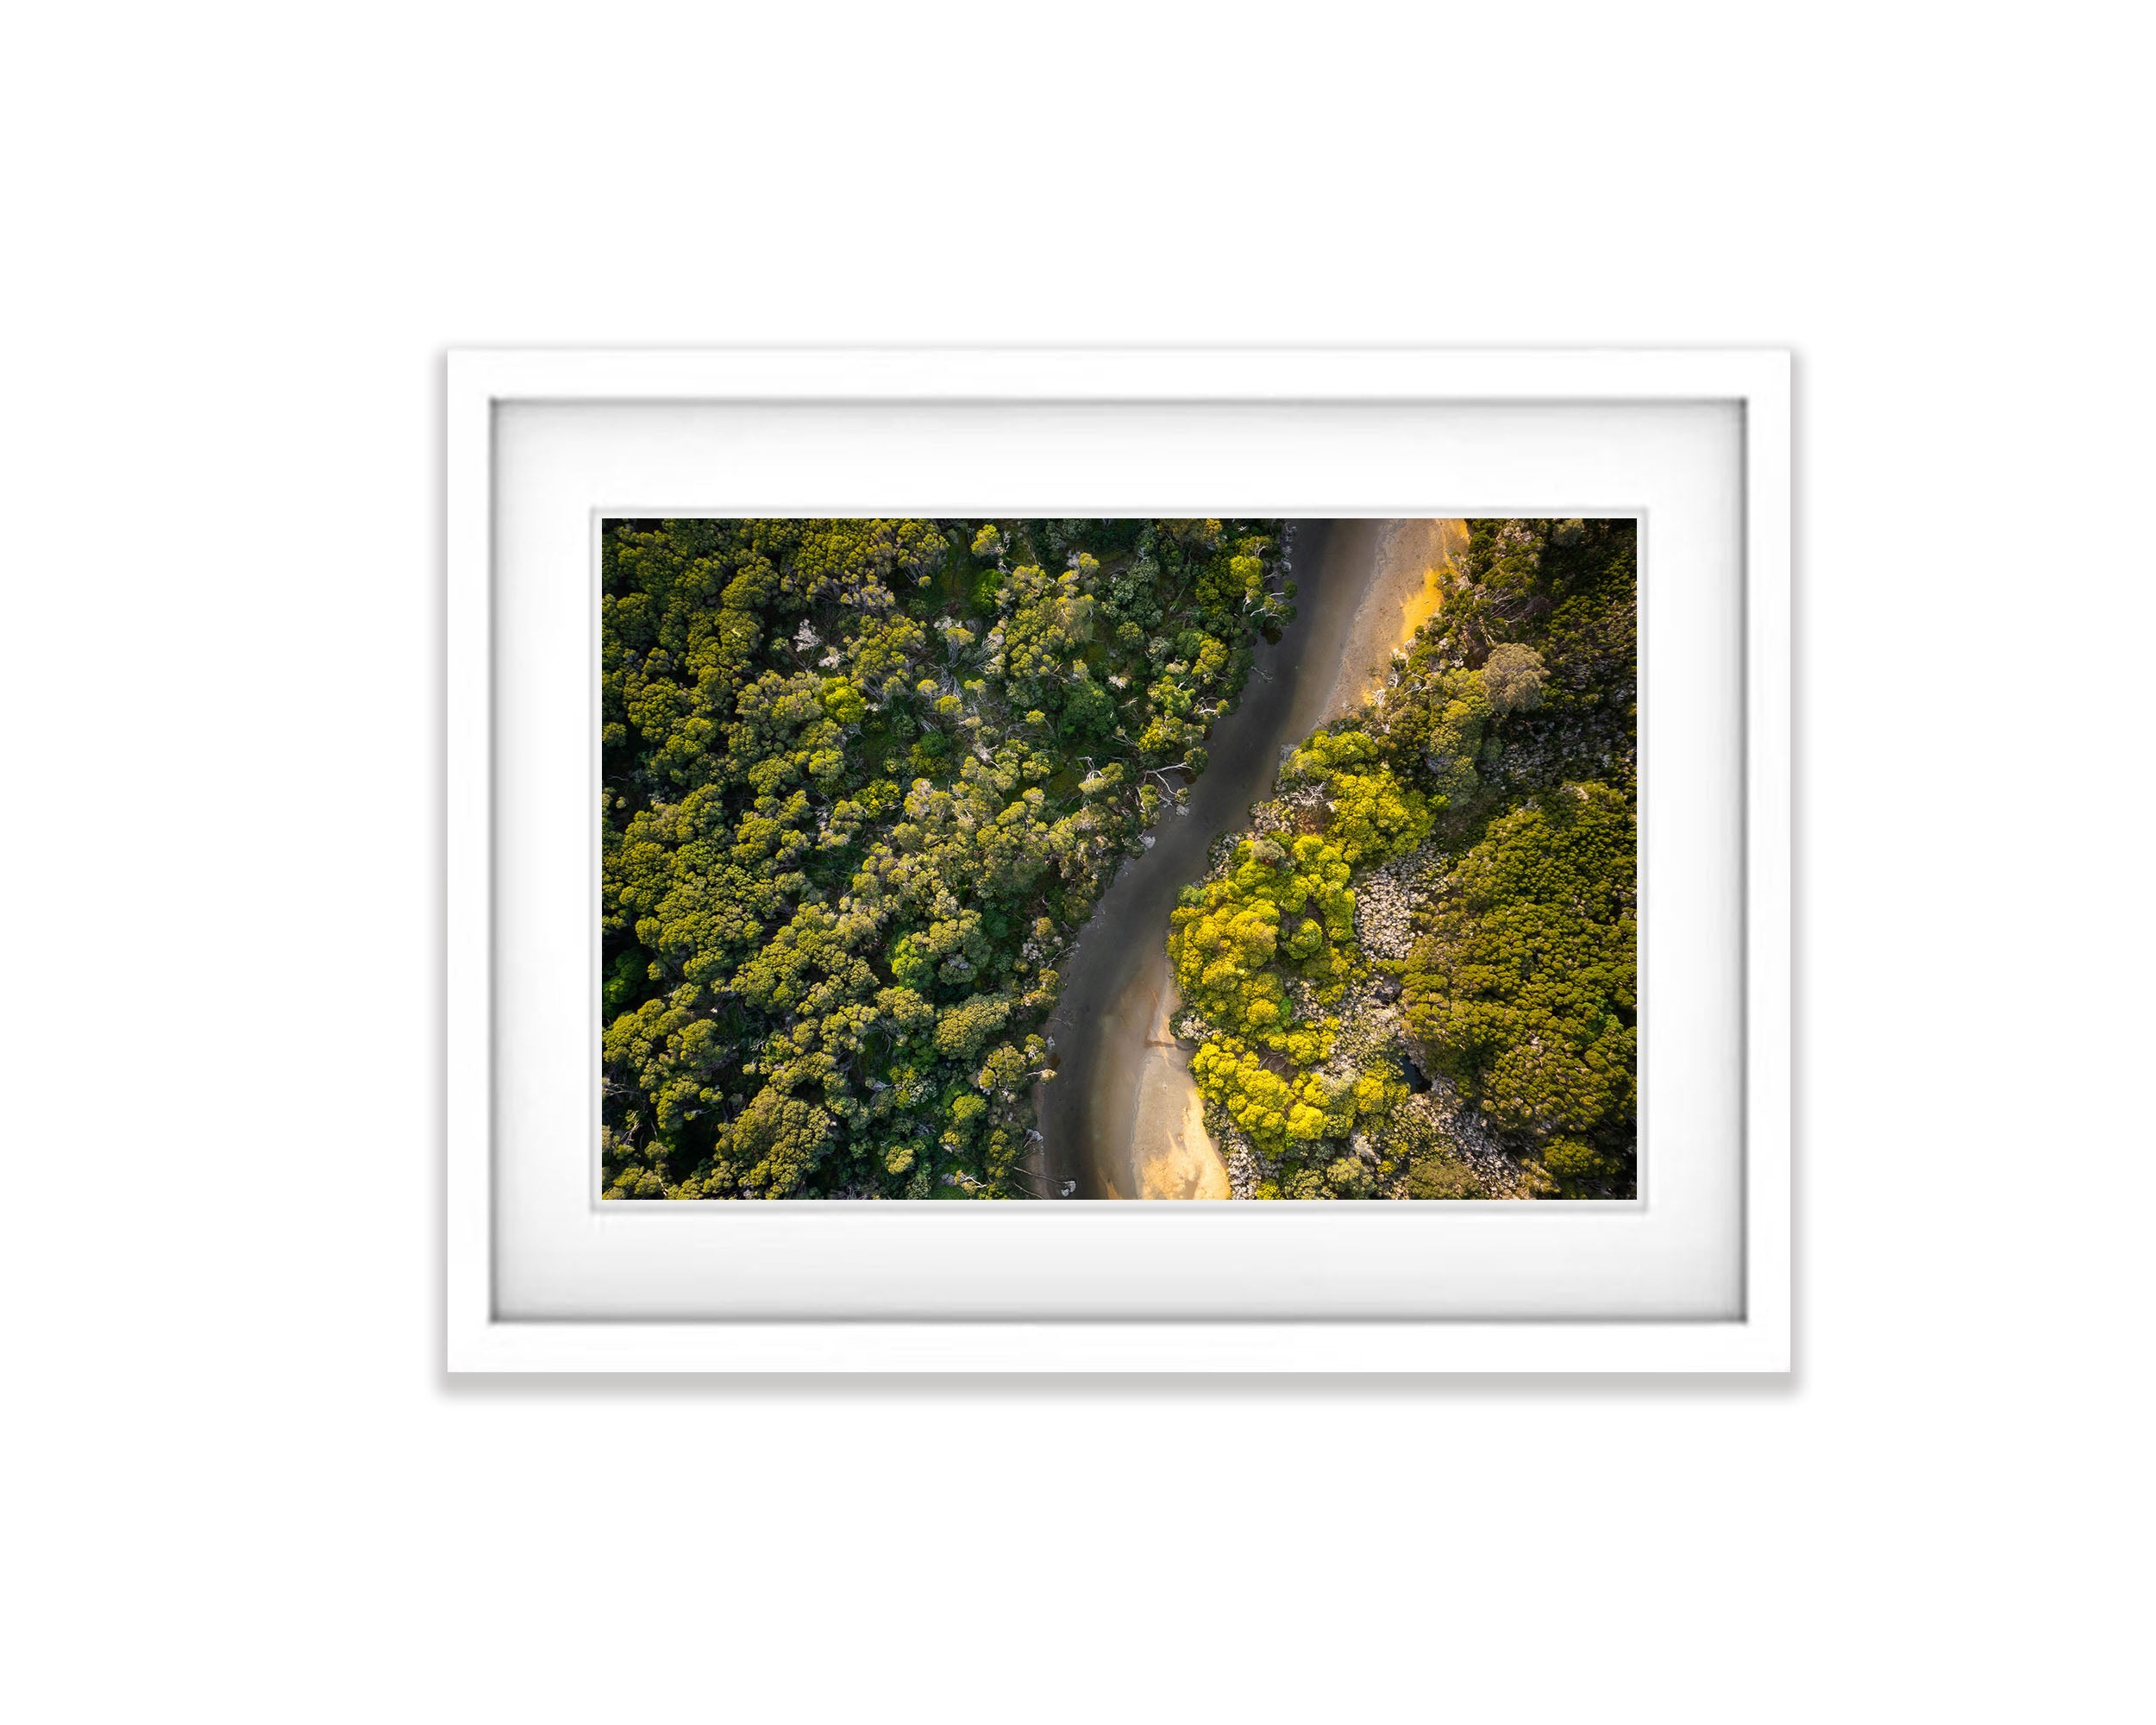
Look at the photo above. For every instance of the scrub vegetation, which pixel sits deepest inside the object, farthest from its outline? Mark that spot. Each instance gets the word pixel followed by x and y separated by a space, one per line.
pixel 1417 977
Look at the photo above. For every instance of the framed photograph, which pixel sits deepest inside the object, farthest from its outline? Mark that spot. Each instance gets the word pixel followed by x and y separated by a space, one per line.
pixel 1086 861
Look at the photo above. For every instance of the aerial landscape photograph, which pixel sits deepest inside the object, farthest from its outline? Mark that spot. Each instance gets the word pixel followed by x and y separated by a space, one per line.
pixel 1116 858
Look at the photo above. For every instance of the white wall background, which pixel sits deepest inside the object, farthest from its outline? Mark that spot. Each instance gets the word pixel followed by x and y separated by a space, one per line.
pixel 238 240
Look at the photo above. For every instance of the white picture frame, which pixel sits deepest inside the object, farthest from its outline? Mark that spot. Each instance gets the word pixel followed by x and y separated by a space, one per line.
pixel 583 1331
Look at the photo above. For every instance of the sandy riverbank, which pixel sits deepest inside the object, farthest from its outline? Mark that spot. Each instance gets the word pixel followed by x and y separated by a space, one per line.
pixel 1172 1153
pixel 1402 594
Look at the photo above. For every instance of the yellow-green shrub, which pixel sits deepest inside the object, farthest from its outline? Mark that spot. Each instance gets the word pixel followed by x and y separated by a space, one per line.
pixel 1374 816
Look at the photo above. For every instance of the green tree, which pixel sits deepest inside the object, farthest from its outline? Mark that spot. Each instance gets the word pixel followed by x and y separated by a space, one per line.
pixel 1513 677
pixel 1525 991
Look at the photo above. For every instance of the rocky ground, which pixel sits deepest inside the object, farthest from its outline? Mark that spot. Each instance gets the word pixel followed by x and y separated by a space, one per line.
pixel 1373 1034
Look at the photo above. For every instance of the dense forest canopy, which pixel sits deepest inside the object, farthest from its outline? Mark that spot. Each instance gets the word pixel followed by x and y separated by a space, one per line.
pixel 1444 890
pixel 862 783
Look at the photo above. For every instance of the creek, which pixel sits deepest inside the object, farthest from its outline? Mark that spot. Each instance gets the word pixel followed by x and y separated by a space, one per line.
pixel 1120 1119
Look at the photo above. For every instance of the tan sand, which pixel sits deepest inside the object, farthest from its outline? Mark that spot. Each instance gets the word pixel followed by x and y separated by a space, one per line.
pixel 1403 594
pixel 1171 1152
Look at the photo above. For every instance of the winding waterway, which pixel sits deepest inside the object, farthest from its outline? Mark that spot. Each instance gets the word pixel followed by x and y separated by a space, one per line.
pixel 1120 1119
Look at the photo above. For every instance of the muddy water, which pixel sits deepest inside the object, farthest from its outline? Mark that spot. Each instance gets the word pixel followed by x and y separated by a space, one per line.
pixel 1120 1119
